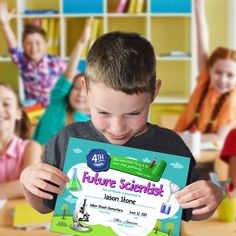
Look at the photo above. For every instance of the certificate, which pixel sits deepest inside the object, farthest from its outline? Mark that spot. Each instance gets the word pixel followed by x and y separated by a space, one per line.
pixel 117 190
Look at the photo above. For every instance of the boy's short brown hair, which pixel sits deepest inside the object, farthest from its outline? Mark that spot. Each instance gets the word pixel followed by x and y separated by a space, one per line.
pixel 32 29
pixel 122 61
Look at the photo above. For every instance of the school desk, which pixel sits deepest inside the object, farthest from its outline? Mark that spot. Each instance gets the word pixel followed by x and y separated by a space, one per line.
pixel 6 222
pixel 212 226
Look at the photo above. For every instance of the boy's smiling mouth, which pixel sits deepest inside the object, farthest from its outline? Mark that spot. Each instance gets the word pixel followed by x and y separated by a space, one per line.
pixel 118 137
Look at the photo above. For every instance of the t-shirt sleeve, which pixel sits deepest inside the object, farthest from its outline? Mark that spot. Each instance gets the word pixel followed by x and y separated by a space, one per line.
pixel 192 177
pixel 54 155
pixel 17 56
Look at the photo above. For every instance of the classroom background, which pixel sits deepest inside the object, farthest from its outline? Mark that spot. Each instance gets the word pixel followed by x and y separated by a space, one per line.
pixel 169 27
pixel 168 24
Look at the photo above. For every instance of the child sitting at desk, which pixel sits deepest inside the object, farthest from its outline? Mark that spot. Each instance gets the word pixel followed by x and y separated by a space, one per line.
pixel 16 151
pixel 211 107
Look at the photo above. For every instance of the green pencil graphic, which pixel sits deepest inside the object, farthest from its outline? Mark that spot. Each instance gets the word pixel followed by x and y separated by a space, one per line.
pixel 139 168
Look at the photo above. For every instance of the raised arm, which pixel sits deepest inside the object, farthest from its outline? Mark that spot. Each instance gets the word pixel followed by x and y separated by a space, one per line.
pixel 202 35
pixel 75 56
pixel 5 18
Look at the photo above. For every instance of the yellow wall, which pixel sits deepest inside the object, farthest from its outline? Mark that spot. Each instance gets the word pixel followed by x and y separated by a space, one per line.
pixel 9 73
pixel 217 13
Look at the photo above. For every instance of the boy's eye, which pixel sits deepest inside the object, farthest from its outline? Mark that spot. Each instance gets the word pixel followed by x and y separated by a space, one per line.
pixel 103 113
pixel 134 113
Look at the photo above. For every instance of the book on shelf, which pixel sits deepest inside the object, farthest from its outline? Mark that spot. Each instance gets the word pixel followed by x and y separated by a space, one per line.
pixel 34 107
pixel 56 39
pixel 139 6
pixel 122 6
pixel 175 54
pixel 94 31
pixel 51 35
pixel 40 12
pixel 25 217
pixel 34 111
pixel 44 24
pixel 132 6
pixel 35 114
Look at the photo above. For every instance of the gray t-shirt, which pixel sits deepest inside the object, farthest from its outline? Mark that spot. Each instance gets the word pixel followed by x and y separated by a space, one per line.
pixel 154 139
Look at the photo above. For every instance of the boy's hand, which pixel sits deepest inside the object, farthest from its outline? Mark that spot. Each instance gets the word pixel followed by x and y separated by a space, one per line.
pixel 5 16
pixel 87 30
pixel 35 177
pixel 203 196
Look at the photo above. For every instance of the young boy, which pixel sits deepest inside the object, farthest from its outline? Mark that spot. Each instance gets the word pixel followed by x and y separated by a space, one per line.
pixel 39 71
pixel 120 85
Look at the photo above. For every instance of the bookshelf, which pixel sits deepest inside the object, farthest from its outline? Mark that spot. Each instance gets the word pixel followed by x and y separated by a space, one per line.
pixel 168 24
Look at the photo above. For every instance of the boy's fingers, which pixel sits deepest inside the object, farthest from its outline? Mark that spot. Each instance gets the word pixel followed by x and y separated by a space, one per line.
pixel 194 203
pixel 51 178
pixel 48 187
pixel 190 196
pixel 203 210
pixel 36 191
pixel 201 184
pixel 55 171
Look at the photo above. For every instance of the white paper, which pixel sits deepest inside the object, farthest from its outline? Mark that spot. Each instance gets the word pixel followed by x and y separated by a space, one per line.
pixel 2 202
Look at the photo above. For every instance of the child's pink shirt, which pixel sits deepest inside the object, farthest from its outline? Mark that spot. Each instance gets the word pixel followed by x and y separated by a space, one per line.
pixel 11 161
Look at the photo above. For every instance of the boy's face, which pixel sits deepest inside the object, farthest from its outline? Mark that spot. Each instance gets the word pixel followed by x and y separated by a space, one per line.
pixel 117 115
pixel 223 75
pixel 35 47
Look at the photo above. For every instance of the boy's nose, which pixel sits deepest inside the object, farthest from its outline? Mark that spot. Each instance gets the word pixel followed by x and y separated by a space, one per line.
pixel 34 47
pixel 118 126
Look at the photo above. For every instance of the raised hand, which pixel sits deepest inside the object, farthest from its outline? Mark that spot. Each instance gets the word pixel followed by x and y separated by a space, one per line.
pixel 87 30
pixel 5 15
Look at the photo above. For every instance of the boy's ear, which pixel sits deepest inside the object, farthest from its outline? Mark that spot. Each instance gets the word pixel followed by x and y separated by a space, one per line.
pixel 84 85
pixel 157 88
